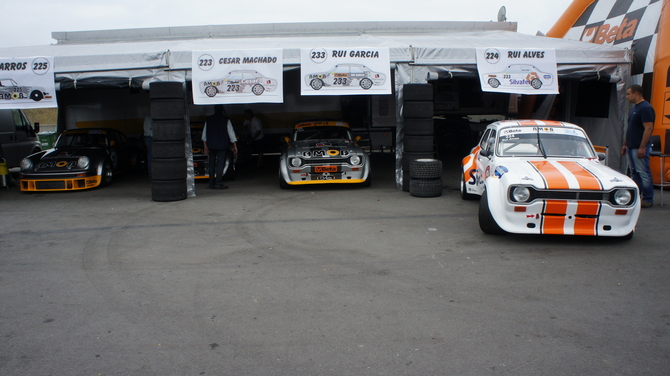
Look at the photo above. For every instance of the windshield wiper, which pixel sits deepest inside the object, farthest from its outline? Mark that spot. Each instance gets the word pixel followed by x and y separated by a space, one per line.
pixel 539 144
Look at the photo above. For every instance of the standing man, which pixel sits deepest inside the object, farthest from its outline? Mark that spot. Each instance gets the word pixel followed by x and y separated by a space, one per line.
pixel 637 145
pixel 217 136
pixel 255 129
pixel 148 141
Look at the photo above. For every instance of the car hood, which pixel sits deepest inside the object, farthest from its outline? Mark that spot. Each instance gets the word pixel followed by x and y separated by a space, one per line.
pixel 62 160
pixel 323 148
pixel 562 174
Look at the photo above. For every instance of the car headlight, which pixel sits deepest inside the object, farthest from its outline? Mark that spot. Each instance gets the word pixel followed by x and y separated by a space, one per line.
pixel 26 164
pixel 355 160
pixel 83 162
pixel 295 162
pixel 622 197
pixel 520 194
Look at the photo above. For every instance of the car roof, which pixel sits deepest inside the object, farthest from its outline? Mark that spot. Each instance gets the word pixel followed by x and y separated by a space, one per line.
pixel 321 123
pixel 532 123
pixel 90 130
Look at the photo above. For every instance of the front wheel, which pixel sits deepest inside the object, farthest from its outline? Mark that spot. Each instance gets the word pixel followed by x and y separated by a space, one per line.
pixel 316 84
pixel 486 221
pixel 107 174
pixel 494 83
pixel 282 183
pixel 211 91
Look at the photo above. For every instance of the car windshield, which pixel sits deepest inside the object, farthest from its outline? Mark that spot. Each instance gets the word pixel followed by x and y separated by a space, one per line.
pixel 319 133
pixel 549 142
pixel 85 140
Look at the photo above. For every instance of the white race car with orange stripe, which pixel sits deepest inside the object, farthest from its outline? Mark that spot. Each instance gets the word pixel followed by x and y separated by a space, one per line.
pixel 544 177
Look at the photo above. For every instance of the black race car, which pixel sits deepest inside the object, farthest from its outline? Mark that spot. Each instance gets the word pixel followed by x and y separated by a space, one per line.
pixel 81 159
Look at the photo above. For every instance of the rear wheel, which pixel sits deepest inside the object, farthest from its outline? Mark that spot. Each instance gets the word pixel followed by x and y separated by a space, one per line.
pixel 211 91
pixel 494 83
pixel 464 191
pixel 36 95
pixel 486 221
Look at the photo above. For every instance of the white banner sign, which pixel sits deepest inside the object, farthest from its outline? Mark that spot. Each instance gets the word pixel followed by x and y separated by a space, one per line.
pixel 520 71
pixel 345 71
pixel 27 82
pixel 235 76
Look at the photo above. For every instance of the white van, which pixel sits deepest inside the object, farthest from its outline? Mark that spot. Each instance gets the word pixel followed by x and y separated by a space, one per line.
pixel 18 138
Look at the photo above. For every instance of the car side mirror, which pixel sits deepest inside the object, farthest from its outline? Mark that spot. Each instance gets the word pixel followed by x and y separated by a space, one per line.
pixel 485 153
pixel 287 140
pixel 36 127
pixel 112 143
pixel 601 156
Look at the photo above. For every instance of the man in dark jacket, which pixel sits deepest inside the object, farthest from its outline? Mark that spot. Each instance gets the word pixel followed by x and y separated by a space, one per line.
pixel 217 137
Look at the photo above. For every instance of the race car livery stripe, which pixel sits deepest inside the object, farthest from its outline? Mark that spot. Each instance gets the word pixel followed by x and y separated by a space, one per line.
pixel 538 122
pixel 586 218
pixel 584 177
pixel 553 217
pixel 553 178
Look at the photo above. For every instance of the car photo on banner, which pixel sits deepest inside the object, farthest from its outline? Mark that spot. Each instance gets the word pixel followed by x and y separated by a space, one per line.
pixel 544 177
pixel 346 75
pixel 239 82
pixel 81 159
pixel 11 90
pixel 519 76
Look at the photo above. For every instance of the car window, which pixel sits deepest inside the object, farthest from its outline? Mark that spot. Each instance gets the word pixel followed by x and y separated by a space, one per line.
pixel 485 136
pixel 322 133
pixel 19 121
pixel 236 76
pixel 535 144
pixel 6 122
pixel 341 69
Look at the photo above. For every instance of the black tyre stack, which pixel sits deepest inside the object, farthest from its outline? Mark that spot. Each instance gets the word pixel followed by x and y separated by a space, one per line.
pixel 168 112
pixel 419 139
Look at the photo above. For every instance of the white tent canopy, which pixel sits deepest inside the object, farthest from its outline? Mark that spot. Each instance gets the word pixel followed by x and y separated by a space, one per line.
pixel 418 50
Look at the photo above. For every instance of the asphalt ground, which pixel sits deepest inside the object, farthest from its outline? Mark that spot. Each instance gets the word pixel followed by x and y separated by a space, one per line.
pixel 319 280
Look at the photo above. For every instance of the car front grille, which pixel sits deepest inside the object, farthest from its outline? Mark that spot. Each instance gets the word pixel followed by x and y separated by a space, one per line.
pixel 50 184
pixel 568 195
pixel 325 161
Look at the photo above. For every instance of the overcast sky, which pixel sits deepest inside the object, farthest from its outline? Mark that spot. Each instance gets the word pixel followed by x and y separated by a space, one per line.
pixel 28 23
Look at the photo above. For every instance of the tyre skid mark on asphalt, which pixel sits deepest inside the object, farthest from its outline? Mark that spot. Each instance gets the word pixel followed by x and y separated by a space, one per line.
pixel 231 223
pixel 137 302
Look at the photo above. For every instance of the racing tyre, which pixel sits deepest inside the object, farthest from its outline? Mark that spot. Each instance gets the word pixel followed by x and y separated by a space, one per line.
pixel 168 149
pixel 418 143
pixel 464 192
pixel 166 89
pixel 418 110
pixel 425 169
pixel 536 83
pixel 211 91
pixel 425 187
pixel 107 174
pixel 418 127
pixel 168 169
pixel 168 190
pixel 169 130
pixel 316 84
pixel 282 183
pixel 366 83
pixel 367 182
pixel 36 95
pixel 417 92
pixel 629 236
pixel 486 221
pixel 167 109
pixel 494 83
pixel 257 89
pixel 408 157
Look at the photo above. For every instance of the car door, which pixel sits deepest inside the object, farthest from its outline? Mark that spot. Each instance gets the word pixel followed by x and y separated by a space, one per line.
pixel 485 158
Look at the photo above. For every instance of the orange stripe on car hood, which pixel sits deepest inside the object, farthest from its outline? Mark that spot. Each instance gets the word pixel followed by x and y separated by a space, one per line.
pixel 552 176
pixel 585 178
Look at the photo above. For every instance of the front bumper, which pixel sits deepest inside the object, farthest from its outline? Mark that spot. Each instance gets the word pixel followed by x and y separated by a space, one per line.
pixel 335 173
pixel 69 182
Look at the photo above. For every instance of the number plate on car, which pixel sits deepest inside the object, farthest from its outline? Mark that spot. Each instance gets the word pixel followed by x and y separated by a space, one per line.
pixel 321 169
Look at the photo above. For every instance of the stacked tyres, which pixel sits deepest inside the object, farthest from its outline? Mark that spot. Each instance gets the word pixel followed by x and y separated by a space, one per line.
pixel 418 139
pixel 168 112
pixel 425 177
